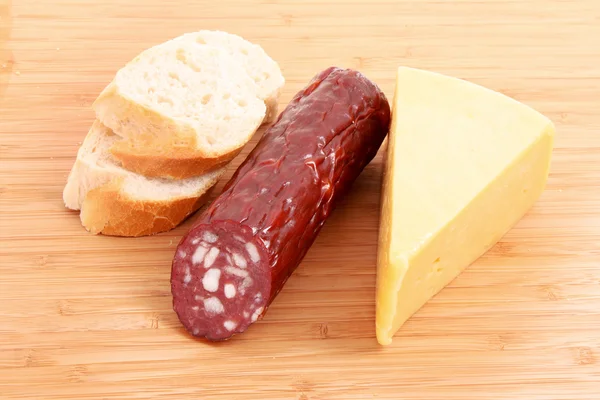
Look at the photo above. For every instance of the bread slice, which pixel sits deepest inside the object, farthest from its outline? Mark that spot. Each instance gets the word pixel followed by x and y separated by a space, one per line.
pixel 114 201
pixel 189 105
pixel 263 70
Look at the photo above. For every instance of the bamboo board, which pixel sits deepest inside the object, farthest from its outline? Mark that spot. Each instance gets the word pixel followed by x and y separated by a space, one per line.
pixel 89 317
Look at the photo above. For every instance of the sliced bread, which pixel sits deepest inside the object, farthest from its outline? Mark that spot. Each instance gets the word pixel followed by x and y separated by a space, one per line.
pixel 263 70
pixel 189 105
pixel 118 202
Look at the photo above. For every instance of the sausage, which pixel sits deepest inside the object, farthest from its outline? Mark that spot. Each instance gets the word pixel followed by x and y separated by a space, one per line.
pixel 242 249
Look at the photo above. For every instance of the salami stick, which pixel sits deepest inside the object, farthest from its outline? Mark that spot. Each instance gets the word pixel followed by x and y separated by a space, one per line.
pixel 240 252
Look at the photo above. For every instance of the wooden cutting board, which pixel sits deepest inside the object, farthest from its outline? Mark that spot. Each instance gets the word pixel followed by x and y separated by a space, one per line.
pixel 89 317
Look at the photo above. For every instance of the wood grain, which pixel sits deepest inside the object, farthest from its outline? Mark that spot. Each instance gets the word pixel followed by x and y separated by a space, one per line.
pixel 89 317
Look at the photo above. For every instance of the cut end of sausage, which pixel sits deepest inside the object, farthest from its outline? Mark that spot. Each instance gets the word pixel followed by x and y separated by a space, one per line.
pixel 221 282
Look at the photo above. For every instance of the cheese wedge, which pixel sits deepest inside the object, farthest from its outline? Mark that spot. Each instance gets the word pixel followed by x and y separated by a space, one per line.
pixel 463 165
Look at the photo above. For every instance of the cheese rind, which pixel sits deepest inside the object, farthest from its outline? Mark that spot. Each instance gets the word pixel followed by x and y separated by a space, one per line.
pixel 463 165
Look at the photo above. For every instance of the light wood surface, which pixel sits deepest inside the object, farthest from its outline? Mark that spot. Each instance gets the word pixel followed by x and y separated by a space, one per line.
pixel 89 317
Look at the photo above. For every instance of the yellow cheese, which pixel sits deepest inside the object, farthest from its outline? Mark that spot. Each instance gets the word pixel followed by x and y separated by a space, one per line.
pixel 463 165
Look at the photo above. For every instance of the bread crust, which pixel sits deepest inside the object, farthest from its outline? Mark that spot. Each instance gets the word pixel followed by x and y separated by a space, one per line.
pixel 109 198
pixel 148 152
pixel 108 210
pixel 124 116
pixel 182 164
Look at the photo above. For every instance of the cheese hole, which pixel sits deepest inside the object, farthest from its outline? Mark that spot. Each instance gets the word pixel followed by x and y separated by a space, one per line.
pixel 437 269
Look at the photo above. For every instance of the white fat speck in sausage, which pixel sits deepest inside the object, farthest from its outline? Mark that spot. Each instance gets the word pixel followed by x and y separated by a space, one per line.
pixel 209 237
pixel 229 290
pixel 253 252
pixel 229 325
pixel 199 254
pixel 211 257
pixel 239 260
pixel 210 281
pixel 236 271
pixel 213 305
pixel 257 313
pixel 187 278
